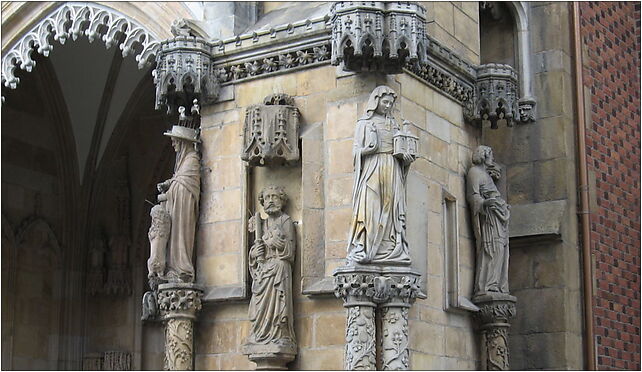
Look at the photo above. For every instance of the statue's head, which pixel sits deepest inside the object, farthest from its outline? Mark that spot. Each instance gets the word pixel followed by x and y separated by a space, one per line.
pixel 483 155
pixel 182 136
pixel 273 199
pixel 381 101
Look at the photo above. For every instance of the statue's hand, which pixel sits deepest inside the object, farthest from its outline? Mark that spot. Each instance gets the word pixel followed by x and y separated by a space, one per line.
pixel 408 158
pixel 258 250
pixel 490 202
pixel 163 186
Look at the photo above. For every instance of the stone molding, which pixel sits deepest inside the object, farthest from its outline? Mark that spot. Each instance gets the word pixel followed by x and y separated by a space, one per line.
pixel 70 21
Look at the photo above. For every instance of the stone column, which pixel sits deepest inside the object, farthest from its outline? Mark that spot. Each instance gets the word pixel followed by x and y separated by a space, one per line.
pixel 356 289
pixel 363 288
pixel 178 304
pixel 495 309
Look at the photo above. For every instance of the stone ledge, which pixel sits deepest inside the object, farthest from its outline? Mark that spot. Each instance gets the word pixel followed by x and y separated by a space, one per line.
pixel 222 294
pixel 536 222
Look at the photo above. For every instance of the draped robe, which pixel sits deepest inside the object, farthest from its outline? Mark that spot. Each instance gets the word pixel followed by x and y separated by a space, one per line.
pixel 270 308
pixel 182 205
pixel 378 225
pixel 490 225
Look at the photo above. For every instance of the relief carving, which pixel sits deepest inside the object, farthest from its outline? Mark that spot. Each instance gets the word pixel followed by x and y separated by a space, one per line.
pixel 271 133
pixel 360 351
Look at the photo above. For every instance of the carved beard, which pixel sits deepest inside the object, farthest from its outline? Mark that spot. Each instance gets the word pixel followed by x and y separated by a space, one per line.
pixel 272 209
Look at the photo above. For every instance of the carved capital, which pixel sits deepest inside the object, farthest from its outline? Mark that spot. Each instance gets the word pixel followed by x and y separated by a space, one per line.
pixel 387 286
pixel 179 300
pixel 378 36
pixel 184 72
pixel 495 307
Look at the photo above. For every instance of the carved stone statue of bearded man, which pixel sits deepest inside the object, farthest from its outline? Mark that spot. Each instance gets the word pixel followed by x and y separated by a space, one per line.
pixel 490 214
pixel 271 259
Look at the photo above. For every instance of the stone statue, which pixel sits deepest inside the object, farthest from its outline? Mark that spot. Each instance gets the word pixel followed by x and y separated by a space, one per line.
pixel 271 258
pixel 490 214
pixel 179 197
pixel 378 225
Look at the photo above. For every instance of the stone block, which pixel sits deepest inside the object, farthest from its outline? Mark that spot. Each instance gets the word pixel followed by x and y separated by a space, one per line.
pixel 218 270
pixel 312 109
pixel 218 238
pixel 236 362
pixel 333 264
pixel 519 178
pixel 435 229
pixel 206 362
pixel 320 359
pixel 432 314
pixel 255 91
pixel 552 177
pixel 550 60
pixel 337 222
pixel 330 330
pixel 435 260
pixel 466 30
pixel 223 173
pixel 556 88
pixel 303 327
pixel 413 113
pixel 544 350
pixel 354 87
pixel 471 8
pixel 336 250
pixel 466 252
pixel 312 237
pixel 219 118
pixel 320 305
pixel 541 310
pixel 426 338
pixel 443 15
pixel 312 182
pixel 216 338
pixel 519 270
pixel 537 219
pixel 457 186
pixel 422 361
pixel 341 120
pixel 340 157
pixel 223 140
pixel 416 91
pixel 435 197
pixel 315 80
pixel 221 206
pixel 551 31
pixel 438 126
pixel 437 151
pixel 448 109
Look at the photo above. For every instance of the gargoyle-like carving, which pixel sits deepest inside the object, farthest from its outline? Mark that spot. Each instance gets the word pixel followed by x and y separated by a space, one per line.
pixel 184 72
pixel 271 133
pixel 377 36
pixel 497 97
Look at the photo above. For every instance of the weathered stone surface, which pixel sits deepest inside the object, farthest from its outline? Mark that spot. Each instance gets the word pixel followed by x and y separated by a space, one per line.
pixel 219 270
pixel 537 219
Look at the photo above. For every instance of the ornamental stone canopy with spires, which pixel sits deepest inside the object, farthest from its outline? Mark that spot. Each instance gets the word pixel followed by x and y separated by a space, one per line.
pixel 320 185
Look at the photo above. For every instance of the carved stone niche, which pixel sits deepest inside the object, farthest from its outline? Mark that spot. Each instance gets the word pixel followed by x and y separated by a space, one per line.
pixel 271 133
pixel 378 36
pixel 184 72
pixel 496 95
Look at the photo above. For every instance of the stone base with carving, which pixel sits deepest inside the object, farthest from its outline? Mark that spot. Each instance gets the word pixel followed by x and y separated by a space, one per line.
pixel 495 309
pixel 364 288
pixel 178 304
pixel 270 356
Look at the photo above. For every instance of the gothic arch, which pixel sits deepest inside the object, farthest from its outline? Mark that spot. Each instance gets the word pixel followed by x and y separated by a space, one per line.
pixel 71 20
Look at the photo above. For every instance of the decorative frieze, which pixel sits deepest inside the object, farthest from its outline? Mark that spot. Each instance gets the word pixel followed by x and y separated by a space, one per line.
pixel 271 133
pixel 70 21
pixel 377 36
pixel 184 72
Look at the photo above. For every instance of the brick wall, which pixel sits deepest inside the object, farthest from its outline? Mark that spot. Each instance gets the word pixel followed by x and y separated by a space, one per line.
pixel 610 33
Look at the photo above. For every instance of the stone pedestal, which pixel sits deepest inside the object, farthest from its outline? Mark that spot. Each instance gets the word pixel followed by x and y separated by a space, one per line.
pixel 495 309
pixel 363 288
pixel 270 357
pixel 178 304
